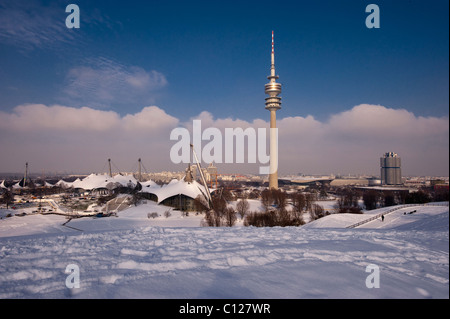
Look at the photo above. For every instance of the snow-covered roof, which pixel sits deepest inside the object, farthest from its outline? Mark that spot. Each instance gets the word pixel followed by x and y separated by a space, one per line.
pixel 19 184
pixel 95 181
pixel 63 183
pixel 149 183
pixel 176 187
pixel 47 184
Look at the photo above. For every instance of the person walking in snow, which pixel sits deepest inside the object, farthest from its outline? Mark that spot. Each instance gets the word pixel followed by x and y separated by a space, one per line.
pixel 382 218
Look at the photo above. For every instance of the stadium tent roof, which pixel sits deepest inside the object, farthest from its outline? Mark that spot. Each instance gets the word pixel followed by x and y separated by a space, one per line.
pixel 176 187
pixel 63 183
pixel 95 181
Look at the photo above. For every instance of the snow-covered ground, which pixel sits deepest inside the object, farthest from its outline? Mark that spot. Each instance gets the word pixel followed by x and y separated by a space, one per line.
pixel 133 256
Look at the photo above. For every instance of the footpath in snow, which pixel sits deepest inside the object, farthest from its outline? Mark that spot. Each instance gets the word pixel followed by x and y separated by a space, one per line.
pixel 132 256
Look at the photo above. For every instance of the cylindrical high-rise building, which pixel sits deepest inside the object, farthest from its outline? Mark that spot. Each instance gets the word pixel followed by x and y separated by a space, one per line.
pixel 273 104
pixel 391 173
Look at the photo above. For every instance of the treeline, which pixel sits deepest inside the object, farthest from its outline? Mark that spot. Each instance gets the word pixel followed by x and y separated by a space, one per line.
pixel 288 209
pixel 375 199
pixel 275 211
pixel 220 215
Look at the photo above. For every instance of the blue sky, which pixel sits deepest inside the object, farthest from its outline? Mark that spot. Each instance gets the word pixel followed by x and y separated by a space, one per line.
pixel 186 57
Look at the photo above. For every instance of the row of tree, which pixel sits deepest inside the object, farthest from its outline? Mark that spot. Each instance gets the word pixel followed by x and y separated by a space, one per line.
pixel 375 199
pixel 275 202
pixel 274 214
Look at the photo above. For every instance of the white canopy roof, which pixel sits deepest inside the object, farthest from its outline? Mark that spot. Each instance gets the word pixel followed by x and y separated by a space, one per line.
pixel 95 181
pixel 176 187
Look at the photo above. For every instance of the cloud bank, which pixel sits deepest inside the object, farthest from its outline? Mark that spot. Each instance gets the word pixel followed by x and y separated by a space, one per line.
pixel 63 138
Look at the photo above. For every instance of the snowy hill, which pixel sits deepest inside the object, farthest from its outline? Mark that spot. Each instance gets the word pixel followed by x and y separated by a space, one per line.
pixel 408 217
pixel 133 256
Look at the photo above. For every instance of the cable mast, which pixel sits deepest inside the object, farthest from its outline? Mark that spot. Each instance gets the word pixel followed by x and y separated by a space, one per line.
pixel 140 174
pixel 26 175
pixel 109 163
pixel 203 178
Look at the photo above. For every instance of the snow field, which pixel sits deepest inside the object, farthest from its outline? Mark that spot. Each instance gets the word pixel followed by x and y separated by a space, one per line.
pixel 272 262
pixel 132 256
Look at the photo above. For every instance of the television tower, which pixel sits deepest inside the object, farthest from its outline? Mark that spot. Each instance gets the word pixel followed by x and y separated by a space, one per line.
pixel 273 104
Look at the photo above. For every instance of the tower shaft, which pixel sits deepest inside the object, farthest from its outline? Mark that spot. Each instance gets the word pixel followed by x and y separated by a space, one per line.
pixel 273 166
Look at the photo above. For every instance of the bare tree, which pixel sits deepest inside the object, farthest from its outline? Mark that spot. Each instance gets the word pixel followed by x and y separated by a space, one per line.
pixel 298 202
pixel 219 204
pixel 242 207
pixel 279 198
pixel 266 199
pixel 389 199
pixel 316 212
pixel 309 201
pixel 254 194
pixel 348 201
pixel 230 217
pixel 8 198
pixel 370 199
pixel 200 204
pixel 283 217
pixel 135 199
pixel 279 217
pixel 214 217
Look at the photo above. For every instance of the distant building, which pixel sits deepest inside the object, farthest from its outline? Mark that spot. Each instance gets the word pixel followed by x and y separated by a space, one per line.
pixel 391 173
pixel 211 171
pixel 373 181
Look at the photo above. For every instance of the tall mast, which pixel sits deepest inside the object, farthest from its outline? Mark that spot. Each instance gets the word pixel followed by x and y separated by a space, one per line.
pixel 110 171
pixel 140 176
pixel 26 175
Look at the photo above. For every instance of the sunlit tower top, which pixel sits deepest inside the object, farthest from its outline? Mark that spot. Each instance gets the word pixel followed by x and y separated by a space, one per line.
pixel 273 89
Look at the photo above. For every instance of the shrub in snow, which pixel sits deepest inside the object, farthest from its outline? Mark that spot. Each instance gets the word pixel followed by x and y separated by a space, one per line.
pixel 152 215
pixel 229 217
pixel 279 217
pixel 242 207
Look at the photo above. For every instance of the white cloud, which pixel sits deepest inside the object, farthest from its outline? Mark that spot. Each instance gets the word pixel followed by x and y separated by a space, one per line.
pixel 352 141
pixel 377 120
pixel 151 118
pixel 38 117
pixel 102 82
pixel 81 139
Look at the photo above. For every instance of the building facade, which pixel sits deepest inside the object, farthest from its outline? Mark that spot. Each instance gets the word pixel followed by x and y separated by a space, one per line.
pixel 391 173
